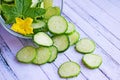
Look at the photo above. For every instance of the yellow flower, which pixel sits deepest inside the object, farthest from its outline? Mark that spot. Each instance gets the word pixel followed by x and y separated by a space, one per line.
pixel 23 26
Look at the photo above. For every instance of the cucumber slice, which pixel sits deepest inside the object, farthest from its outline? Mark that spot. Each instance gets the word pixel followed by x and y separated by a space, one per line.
pixel 85 45
pixel 92 61
pixel 48 3
pixel 61 42
pixel 43 39
pixel 40 26
pixel 26 54
pixel 69 69
pixel 43 55
pixel 71 28
pixel 74 37
pixel 57 25
pixel 54 53
pixel 52 11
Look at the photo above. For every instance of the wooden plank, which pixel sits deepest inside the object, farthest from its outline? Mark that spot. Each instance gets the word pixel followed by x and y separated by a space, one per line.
pixel 115 3
pixel 106 68
pixel 90 74
pixel 52 69
pixel 96 25
pixel 61 59
pixel 5 71
pixel 12 38
pixel 48 68
pixel 2 76
pixel 105 58
pixel 111 24
pixel 95 35
pixel 111 74
pixel 108 8
pixel 12 42
pixel 23 71
pixel 111 69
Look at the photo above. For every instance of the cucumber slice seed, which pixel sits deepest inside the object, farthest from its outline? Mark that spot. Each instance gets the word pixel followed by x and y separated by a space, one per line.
pixel 92 61
pixel 43 39
pixel 74 37
pixel 69 69
pixel 85 45
pixel 57 25
pixel 61 42
pixel 26 54
pixel 43 55
pixel 54 53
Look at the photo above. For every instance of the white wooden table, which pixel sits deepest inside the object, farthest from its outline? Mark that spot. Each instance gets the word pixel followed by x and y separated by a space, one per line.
pixel 95 19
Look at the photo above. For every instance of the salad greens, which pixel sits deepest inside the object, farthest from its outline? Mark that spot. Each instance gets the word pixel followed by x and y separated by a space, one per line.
pixel 21 9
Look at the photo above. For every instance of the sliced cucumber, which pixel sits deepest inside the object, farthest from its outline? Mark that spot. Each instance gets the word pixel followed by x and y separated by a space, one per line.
pixel 74 37
pixel 43 39
pixel 61 42
pixel 39 26
pixel 57 25
pixel 43 55
pixel 69 69
pixel 26 54
pixel 48 3
pixel 54 53
pixel 71 28
pixel 85 45
pixel 92 61
pixel 52 11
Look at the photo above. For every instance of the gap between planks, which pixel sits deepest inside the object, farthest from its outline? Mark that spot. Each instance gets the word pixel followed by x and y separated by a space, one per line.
pixel 109 67
pixel 111 24
pixel 98 36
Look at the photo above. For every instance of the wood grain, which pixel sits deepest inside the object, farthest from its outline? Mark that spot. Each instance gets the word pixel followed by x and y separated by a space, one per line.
pixel 98 20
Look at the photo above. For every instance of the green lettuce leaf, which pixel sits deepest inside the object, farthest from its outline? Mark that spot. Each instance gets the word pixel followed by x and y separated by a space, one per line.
pixel 20 9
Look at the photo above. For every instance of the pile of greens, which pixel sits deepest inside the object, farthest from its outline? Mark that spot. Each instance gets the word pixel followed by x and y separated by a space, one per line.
pixel 20 8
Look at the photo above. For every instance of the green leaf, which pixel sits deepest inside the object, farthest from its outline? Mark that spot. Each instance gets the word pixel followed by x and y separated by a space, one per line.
pixel 20 9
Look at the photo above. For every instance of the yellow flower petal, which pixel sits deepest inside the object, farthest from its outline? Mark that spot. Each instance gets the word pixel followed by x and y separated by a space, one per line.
pixel 28 21
pixel 19 20
pixel 23 26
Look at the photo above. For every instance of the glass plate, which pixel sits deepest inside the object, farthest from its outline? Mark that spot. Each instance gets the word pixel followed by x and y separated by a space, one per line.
pixel 58 3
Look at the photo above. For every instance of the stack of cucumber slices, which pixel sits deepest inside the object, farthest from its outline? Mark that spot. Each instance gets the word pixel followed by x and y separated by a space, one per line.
pixel 55 35
pixel 59 37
